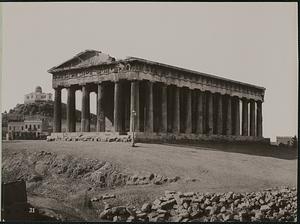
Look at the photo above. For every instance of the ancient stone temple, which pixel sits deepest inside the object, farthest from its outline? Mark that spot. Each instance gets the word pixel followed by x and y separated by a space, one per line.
pixel 159 101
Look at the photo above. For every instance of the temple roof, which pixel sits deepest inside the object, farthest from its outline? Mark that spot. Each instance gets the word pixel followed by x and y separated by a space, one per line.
pixel 190 71
pixel 89 58
pixel 85 58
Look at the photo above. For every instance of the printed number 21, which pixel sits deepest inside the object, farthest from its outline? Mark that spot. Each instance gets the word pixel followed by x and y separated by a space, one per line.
pixel 31 210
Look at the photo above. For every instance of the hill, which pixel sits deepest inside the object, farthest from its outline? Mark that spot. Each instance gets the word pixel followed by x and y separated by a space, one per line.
pixel 44 109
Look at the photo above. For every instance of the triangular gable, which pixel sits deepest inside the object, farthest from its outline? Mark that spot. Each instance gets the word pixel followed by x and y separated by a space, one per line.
pixel 84 59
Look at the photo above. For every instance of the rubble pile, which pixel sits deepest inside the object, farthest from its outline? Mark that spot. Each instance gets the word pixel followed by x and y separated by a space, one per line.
pixel 278 204
pixel 150 178
pixel 110 138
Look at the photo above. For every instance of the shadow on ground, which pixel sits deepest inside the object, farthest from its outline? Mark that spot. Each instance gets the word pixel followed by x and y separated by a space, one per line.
pixel 253 149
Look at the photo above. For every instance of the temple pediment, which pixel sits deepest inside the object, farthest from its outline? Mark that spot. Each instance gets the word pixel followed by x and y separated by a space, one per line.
pixel 84 59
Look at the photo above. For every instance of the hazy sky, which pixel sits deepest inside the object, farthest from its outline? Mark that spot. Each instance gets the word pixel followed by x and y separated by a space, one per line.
pixel 249 42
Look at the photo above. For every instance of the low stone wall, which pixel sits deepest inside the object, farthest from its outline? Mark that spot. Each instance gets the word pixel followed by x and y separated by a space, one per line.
pixel 155 137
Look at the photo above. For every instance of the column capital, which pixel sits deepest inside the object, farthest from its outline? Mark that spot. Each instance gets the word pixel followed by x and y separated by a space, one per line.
pixel 67 85
pixel 58 88
pixel 246 100
pixel 186 87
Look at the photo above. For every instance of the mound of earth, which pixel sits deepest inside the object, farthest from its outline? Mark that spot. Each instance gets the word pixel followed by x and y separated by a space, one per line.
pixel 61 184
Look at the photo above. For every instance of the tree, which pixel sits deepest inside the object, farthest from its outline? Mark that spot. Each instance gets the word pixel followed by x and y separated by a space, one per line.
pixel 294 142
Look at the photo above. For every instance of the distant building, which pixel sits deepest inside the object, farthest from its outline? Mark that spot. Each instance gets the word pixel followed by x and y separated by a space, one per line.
pixel 37 96
pixel 32 127
pixel 284 140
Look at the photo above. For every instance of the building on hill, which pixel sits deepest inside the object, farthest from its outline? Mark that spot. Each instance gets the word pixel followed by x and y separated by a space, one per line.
pixel 158 101
pixel 37 96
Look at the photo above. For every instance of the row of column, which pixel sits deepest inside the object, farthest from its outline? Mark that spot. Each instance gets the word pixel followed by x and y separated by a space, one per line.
pixel 209 115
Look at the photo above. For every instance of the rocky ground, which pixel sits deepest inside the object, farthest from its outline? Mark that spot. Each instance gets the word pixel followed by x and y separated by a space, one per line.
pixel 95 181
pixel 268 205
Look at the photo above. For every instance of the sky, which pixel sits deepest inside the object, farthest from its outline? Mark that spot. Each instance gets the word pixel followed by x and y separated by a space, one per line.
pixel 254 43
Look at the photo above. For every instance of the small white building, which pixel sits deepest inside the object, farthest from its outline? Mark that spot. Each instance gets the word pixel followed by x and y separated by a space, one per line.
pixel 37 96
pixel 285 140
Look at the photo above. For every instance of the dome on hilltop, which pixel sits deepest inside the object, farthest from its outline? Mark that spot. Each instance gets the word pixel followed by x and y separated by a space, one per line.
pixel 38 89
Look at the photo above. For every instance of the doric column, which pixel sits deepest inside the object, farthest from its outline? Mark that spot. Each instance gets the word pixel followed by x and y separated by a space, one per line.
pixel 228 119
pixel 236 116
pixel 176 115
pixel 100 109
pixel 117 107
pixel 245 117
pixel 259 118
pixel 57 110
pixel 252 118
pixel 170 107
pixel 188 112
pixel 220 115
pixel 71 113
pixel 149 107
pixel 210 116
pixel 134 105
pixel 164 108
pixel 85 110
pixel 199 125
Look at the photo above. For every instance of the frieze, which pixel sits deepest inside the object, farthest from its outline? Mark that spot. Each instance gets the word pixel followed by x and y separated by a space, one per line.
pixel 144 72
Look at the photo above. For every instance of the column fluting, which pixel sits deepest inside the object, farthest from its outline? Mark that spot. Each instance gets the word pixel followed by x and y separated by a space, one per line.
pixel 252 118
pixel 176 115
pixel 85 109
pixel 164 109
pixel 220 115
pixel 229 118
pixel 199 125
pixel 100 108
pixel 57 110
pixel 210 107
pixel 71 112
pixel 188 112
pixel 259 119
pixel 245 117
pixel 149 107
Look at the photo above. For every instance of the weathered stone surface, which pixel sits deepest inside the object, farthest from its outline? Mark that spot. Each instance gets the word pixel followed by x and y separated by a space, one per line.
pixel 187 207
pixel 265 208
pixel 168 204
pixel 146 207
pixel 104 214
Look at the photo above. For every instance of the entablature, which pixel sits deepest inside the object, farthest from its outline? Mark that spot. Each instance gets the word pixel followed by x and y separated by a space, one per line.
pixel 136 70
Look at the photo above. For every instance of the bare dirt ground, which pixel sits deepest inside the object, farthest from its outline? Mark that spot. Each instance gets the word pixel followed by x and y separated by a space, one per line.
pixel 206 168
